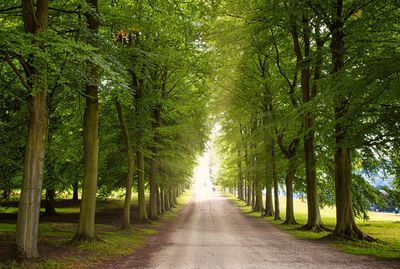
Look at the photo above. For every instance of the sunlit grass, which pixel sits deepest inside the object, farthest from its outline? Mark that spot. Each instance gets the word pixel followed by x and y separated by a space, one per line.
pixel 114 242
pixel 385 227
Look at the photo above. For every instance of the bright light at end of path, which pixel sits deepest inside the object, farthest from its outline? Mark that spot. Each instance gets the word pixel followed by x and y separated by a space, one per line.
pixel 204 173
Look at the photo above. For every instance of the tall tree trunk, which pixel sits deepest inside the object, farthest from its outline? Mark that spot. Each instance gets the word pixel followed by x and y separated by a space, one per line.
pixel 253 194
pixel 290 174
pixel 142 214
pixel 245 189
pixel 240 177
pixel 258 204
pixel 277 215
pixel 249 192
pixel 345 223
pixel 162 200
pixel 75 191
pixel 159 208
pixel 269 206
pixel 171 197
pixel 86 228
pixel 35 18
pixel 166 200
pixel 153 212
pixel 175 192
pixel 247 182
pixel 314 222
pixel 126 221
pixel 50 206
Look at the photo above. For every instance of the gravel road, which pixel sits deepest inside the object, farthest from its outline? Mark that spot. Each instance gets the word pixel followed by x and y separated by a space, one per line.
pixel 212 233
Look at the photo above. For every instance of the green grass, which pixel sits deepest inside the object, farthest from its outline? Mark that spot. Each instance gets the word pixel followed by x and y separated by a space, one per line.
pixel 385 227
pixel 114 242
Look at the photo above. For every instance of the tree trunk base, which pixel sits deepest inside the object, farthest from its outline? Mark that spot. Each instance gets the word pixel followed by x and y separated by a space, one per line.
pixel 290 222
pixel 352 235
pixel 268 213
pixel 127 228
pixel 145 221
pixel 84 238
pixel 277 218
pixel 316 228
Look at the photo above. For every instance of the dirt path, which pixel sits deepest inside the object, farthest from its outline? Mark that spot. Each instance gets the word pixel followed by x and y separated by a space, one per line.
pixel 212 233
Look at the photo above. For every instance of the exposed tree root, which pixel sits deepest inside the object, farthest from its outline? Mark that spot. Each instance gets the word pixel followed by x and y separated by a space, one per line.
pixel 353 235
pixel 315 228
pixel 84 238
pixel 290 222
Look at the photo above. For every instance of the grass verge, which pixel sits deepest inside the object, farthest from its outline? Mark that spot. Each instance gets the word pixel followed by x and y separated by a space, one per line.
pixel 384 227
pixel 57 253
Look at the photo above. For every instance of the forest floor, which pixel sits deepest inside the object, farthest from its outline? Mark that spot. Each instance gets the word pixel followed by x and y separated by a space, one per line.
pixel 56 231
pixel 211 232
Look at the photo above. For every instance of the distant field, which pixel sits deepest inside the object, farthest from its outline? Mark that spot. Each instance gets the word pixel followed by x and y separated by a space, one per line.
pixel 382 226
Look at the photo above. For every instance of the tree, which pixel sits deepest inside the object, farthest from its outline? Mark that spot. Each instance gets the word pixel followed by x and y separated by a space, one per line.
pixel 86 229
pixel 35 19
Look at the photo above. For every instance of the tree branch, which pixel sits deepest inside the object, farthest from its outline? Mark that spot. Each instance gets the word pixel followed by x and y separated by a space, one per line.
pixel 17 71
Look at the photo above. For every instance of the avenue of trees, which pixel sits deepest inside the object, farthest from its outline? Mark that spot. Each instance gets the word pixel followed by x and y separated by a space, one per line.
pixel 98 97
pixel 308 101
pixel 115 96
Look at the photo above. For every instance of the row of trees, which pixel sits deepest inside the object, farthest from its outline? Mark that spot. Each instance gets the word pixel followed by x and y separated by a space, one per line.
pixel 308 98
pixel 127 77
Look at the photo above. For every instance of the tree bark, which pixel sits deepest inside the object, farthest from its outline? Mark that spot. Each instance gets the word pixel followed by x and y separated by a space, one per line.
pixel 269 206
pixel 153 212
pixel 314 222
pixel 142 214
pixel 86 228
pixel 290 173
pixel 249 192
pixel 253 194
pixel 126 221
pixel 159 208
pixel 35 19
pixel 240 177
pixel 345 224
pixel 277 214
pixel 171 197
pixel 258 204
pixel 166 200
